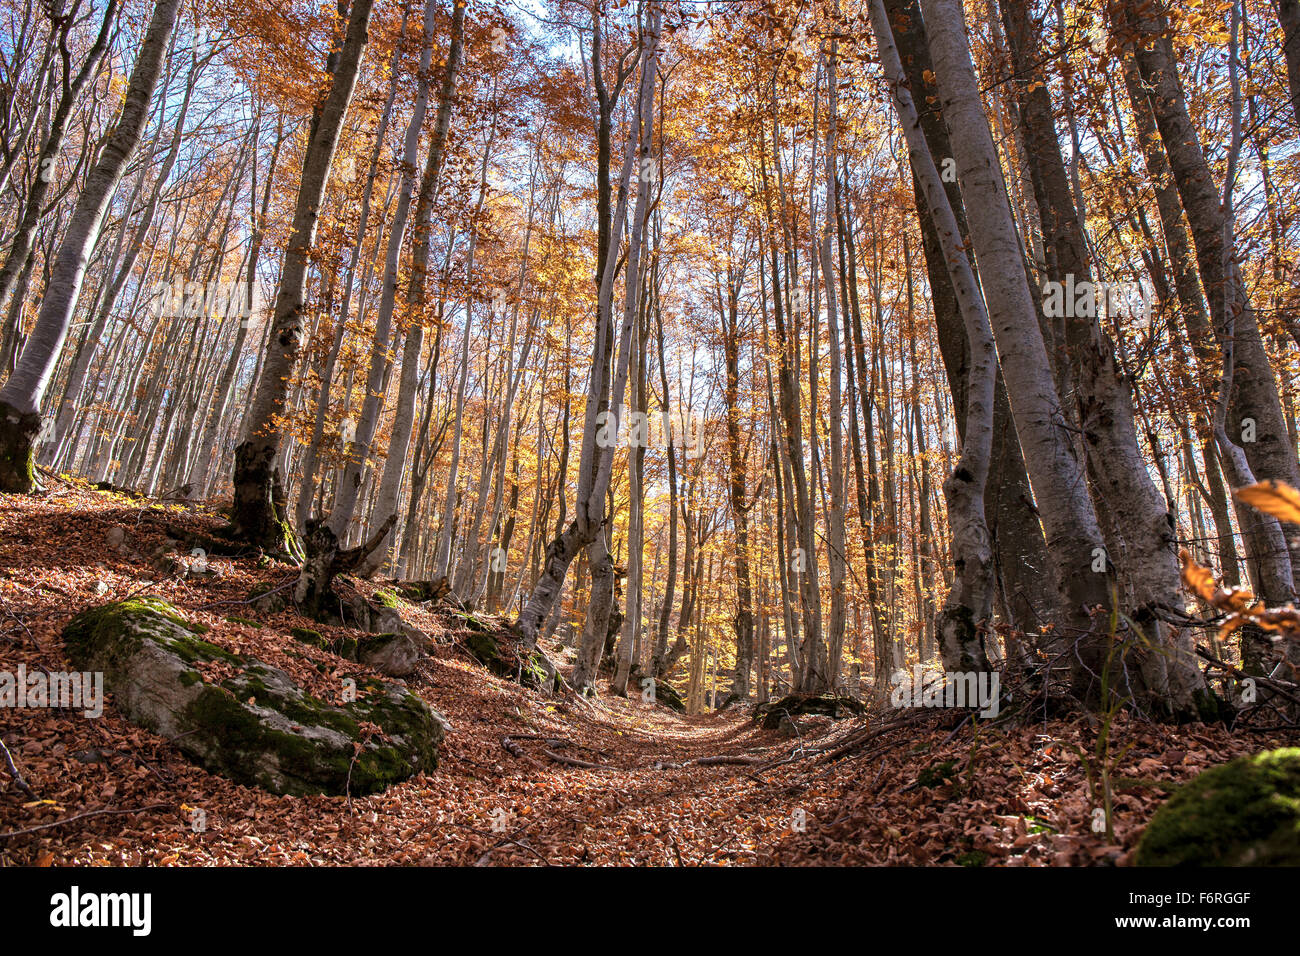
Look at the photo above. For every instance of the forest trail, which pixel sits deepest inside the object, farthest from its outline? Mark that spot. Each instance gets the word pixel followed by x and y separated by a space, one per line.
pixel 524 778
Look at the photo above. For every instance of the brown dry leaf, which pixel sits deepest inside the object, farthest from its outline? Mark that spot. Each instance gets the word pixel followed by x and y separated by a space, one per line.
pixel 1274 498
pixel 1198 580
pixel 863 809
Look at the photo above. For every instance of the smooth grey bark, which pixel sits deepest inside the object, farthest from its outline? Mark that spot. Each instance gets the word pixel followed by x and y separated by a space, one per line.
pixel 390 483
pixel 1074 539
pixel 824 678
pixel 81 364
pixel 595 462
pixel 592 505
pixel 21 247
pixel 1141 539
pixel 307 487
pixel 1288 15
pixel 1255 394
pixel 359 449
pixel 959 625
pixel 201 480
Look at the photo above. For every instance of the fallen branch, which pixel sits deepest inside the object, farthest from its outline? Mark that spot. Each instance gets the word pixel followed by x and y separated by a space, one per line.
pixel 573 761
pixel 1285 688
pixel 275 590
pixel 737 759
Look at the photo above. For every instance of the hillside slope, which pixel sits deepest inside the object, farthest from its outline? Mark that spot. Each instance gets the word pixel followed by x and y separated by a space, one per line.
pixel 523 778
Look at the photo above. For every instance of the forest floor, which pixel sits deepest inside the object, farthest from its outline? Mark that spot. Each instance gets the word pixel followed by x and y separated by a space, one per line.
pixel 895 787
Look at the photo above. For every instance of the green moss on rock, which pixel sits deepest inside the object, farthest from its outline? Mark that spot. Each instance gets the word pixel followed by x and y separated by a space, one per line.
pixel 670 696
pixel 267 598
pixel 1243 813
pixel 798 705
pixel 258 726
pixel 307 636
pixel 345 647
pixel 487 651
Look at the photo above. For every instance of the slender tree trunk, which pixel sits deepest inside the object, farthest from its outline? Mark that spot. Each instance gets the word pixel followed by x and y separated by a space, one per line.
pixel 1073 537
pixel 960 624
pixel 258 515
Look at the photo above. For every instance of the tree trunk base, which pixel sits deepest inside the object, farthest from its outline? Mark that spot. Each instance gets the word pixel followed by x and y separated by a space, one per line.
pixel 260 506
pixel 18 431
pixel 323 562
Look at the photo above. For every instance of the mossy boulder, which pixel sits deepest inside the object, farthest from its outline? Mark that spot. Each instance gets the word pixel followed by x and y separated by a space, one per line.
pixel 380 617
pixel 669 696
pixel 393 654
pixel 487 652
pixel 1243 813
pixel 419 592
pixel 268 598
pixel 257 727
pixel 307 636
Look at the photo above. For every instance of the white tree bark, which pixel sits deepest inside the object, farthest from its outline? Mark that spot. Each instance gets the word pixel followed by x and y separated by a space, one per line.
pixel 1056 474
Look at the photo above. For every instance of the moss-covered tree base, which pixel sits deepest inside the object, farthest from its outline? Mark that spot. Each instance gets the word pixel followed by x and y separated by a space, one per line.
pixel 533 670
pixel 256 727
pixel 1243 813
pixel 18 431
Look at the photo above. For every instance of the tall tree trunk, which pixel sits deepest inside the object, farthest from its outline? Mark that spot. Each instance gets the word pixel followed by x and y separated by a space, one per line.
pixel 1020 552
pixel 1073 537
pixel 258 513
pixel 960 624
pixel 359 450
pixel 1142 539
pixel 1253 419
pixel 417 290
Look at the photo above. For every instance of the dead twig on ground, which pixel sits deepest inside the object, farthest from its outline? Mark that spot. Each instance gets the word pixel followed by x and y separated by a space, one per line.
pixel 14 772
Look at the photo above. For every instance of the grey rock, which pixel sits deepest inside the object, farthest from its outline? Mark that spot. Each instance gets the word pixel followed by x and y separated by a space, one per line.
pixel 257 727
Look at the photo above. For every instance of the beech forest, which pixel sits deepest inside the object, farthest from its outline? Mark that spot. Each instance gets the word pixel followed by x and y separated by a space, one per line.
pixel 649 433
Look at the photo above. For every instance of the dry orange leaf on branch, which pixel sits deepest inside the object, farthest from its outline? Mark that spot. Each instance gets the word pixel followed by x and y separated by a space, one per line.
pixel 1274 498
